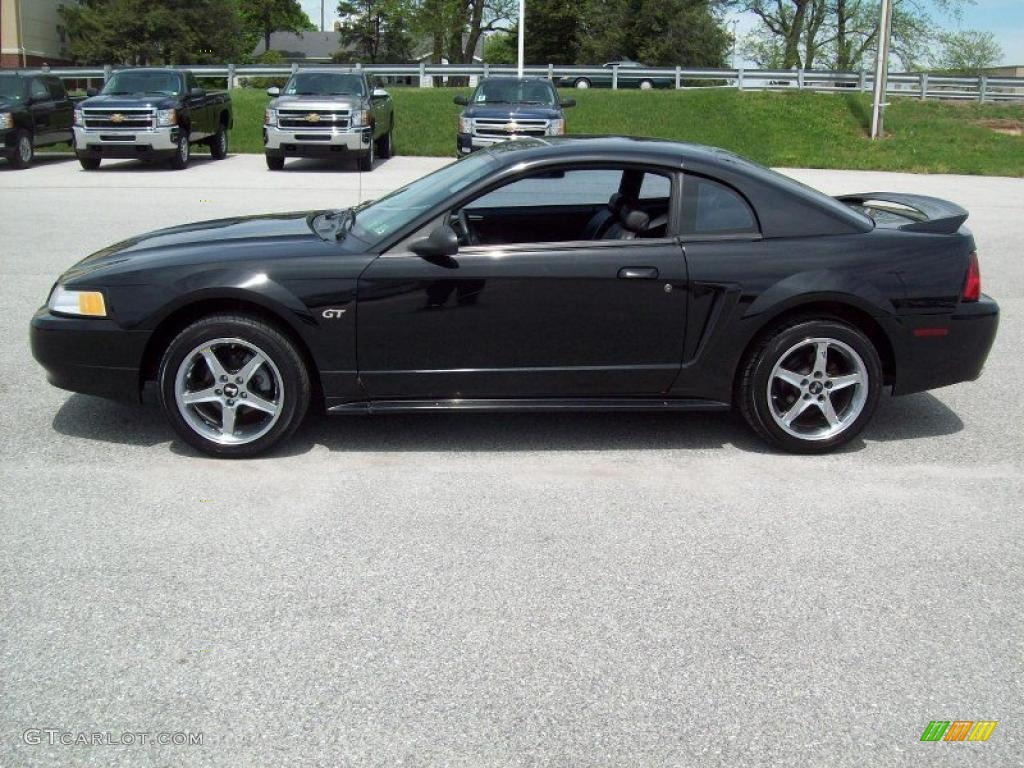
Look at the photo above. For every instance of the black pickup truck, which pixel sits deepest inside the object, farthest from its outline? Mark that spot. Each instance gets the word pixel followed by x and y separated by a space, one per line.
pixel 35 111
pixel 151 114
pixel 503 108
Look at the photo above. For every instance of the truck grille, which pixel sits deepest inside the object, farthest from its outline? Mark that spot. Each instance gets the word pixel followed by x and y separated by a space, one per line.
pixel 502 128
pixel 120 119
pixel 312 119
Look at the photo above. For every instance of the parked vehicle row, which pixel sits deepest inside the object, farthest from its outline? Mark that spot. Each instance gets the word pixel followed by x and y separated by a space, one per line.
pixel 35 111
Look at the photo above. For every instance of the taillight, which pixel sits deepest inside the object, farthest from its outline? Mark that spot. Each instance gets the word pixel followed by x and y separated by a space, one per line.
pixel 972 283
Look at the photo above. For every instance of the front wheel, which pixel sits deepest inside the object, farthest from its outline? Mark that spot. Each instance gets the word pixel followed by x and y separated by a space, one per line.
pixel 384 146
pixel 182 154
pixel 275 162
pixel 24 151
pixel 89 163
pixel 219 143
pixel 233 385
pixel 811 386
pixel 646 85
pixel 582 83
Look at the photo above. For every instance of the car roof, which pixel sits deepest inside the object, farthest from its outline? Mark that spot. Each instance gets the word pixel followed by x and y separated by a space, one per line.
pixel 785 207
pixel 513 78
pixel 328 71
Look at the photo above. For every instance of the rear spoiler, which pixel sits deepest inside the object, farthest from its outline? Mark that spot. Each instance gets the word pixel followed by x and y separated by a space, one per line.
pixel 929 214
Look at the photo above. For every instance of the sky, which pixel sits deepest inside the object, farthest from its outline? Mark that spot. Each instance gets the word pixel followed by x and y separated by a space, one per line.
pixel 1004 18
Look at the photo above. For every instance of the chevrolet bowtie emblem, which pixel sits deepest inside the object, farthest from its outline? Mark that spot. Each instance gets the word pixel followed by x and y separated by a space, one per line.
pixel 117 117
pixel 312 117
pixel 511 127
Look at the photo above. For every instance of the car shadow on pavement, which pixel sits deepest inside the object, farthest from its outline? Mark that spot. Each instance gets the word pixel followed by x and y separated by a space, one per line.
pixel 41 159
pixel 339 164
pixel 904 418
pixel 133 165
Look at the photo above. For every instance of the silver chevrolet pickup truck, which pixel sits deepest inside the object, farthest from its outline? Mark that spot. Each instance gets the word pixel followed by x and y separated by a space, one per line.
pixel 325 113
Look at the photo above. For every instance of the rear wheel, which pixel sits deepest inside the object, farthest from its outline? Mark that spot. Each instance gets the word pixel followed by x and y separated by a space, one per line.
pixel 811 385
pixel 182 154
pixel 646 85
pixel 275 163
pixel 384 147
pixel 232 385
pixel 219 143
pixel 89 163
pixel 24 151
pixel 582 83
pixel 367 158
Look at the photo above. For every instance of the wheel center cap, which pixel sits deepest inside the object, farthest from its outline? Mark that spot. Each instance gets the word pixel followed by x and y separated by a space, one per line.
pixel 815 388
pixel 230 390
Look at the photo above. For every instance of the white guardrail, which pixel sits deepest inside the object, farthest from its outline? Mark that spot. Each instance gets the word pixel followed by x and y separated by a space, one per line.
pixel 922 85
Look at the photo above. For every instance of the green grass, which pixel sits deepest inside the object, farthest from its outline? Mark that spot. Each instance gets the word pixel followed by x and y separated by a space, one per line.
pixel 798 130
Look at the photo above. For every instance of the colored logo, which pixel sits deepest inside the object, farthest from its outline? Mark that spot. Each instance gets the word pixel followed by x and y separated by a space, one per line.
pixel 958 730
pixel 511 128
pixel 117 117
pixel 312 117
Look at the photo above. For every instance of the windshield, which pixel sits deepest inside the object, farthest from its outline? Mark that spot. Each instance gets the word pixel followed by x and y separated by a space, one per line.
pixel 12 88
pixel 515 92
pixel 168 83
pixel 389 214
pixel 324 84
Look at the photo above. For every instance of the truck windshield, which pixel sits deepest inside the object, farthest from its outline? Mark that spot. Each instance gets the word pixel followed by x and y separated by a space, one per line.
pixel 509 91
pixel 382 217
pixel 324 84
pixel 12 88
pixel 143 82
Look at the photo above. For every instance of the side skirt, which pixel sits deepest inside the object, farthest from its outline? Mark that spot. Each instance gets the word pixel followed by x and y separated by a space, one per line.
pixel 525 405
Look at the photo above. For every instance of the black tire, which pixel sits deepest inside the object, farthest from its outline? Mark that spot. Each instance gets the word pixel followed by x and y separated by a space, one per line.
pixel 275 163
pixel 646 85
pixel 219 143
pixel 365 162
pixel 24 150
pixel 384 147
pixel 762 407
pixel 183 153
pixel 89 163
pixel 293 397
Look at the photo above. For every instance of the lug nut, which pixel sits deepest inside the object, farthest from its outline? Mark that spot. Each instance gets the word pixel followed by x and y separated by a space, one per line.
pixel 821 398
pixel 238 379
pixel 231 402
pixel 216 391
pixel 803 383
pixel 828 384
pixel 817 374
pixel 245 394
pixel 223 378
pixel 807 397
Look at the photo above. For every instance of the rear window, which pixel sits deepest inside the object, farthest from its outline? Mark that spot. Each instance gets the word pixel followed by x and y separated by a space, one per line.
pixel 56 88
pixel 712 208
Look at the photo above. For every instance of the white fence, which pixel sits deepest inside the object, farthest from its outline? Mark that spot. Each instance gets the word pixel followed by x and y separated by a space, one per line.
pixel 921 85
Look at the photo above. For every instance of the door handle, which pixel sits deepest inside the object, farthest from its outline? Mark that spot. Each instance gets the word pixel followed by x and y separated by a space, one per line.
pixel 639 273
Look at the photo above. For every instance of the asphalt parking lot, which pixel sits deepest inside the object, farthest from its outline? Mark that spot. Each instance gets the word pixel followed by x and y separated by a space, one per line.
pixel 498 590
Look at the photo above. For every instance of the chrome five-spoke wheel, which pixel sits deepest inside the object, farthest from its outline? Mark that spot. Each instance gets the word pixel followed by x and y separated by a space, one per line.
pixel 817 388
pixel 229 391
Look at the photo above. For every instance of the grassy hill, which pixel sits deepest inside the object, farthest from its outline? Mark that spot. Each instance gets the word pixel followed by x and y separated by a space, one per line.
pixel 800 130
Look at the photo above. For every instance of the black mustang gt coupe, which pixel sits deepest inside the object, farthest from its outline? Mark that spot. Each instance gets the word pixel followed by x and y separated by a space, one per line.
pixel 539 274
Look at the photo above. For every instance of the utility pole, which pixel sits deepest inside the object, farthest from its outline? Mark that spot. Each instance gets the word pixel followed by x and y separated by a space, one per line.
pixel 881 70
pixel 735 40
pixel 322 27
pixel 522 33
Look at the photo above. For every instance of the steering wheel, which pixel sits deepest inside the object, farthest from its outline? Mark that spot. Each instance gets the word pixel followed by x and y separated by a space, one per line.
pixel 461 224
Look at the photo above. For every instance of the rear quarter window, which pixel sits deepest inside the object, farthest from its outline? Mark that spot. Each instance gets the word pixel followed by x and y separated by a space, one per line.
pixel 712 208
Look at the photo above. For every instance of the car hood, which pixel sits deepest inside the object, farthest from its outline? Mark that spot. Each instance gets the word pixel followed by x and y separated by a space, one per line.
pixel 513 111
pixel 153 101
pixel 192 243
pixel 316 102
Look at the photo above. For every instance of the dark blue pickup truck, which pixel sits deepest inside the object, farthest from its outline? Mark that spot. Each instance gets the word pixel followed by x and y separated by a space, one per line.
pixel 503 108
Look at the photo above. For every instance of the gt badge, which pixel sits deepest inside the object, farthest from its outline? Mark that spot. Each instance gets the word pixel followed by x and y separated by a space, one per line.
pixel 333 314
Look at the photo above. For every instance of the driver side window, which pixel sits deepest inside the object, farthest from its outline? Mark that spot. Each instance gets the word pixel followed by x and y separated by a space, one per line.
pixel 568 206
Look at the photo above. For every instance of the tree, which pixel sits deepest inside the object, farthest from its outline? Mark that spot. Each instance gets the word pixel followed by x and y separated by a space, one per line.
pixel 968 52
pixel 376 30
pixel 262 18
pixel 153 31
pixel 656 32
pixel 552 31
pixel 501 48
pixel 454 27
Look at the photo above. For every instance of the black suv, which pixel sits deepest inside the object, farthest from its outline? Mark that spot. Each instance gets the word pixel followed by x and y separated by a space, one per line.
pixel 35 111
pixel 503 108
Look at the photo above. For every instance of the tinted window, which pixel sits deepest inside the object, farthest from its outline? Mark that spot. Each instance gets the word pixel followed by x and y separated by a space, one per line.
pixel 655 187
pixel 39 90
pixel 56 88
pixel 711 208
pixel 191 80
pixel 510 91
pixel 324 84
pixel 129 82
pixel 584 187
pixel 12 87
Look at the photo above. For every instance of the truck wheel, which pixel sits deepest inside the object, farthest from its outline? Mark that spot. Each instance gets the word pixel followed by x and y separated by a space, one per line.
pixel 23 150
pixel 219 143
pixel 811 385
pixel 582 83
pixel 181 156
pixel 366 160
pixel 275 163
pixel 384 148
pixel 646 85
pixel 233 385
pixel 89 163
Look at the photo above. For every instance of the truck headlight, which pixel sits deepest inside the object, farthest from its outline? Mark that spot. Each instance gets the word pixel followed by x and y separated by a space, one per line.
pixel 166 117
pixel 270 117
pixel 89 303
pixel 360 117
pixel 465 125
pixel 556 127
pixel 79 120
pixel 6 120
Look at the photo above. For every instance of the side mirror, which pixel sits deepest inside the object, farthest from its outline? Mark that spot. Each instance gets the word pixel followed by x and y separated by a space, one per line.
pixel 442 243
pixel 273 91
pixel 197 93
pixel 90 92
pixel 462 101
pixel 568 103
pixel 379 93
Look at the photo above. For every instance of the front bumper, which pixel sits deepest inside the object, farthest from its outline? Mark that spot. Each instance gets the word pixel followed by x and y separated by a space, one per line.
pixel 279 142
pixel 8 141
pixel 93 356
pixel 946 350
pixel 99 143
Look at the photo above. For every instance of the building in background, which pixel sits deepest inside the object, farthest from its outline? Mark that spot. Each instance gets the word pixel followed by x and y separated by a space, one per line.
pixel 309 47
pixel 1010 71
pixel 32 33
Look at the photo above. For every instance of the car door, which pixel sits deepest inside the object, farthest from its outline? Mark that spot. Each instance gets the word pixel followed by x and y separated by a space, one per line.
pixel 61 118
pixel 198 107
pixel 568 318
pixel 41 106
